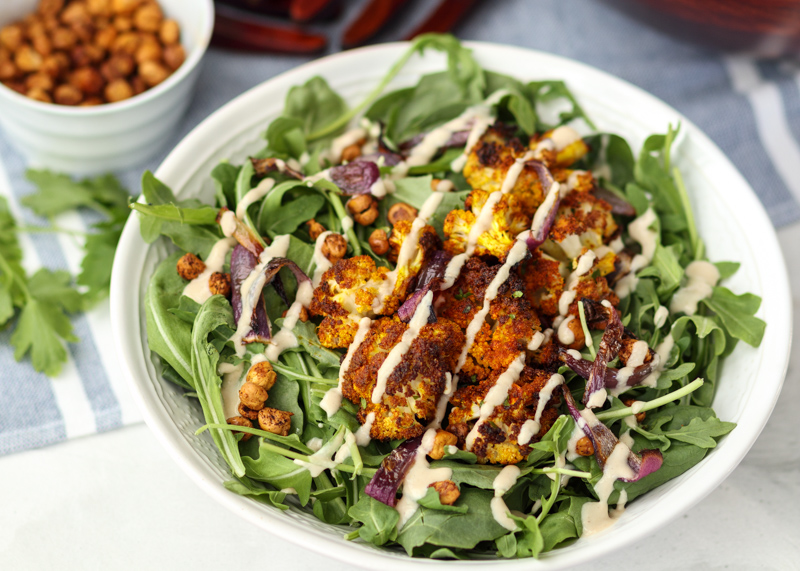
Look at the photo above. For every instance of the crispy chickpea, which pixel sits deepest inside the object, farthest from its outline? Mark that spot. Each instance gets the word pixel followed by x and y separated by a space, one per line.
pixel 138 85
pixel 447 490
pixel 43 45
pixel 351 152
pixel 170 32
pixel 401 211
pixel 174 56
pixel 76 13
pixel 443 438
pixel 220 284
pixel 364 209
pixel 334 247
pixel 83 56
pixel 275 421
pixel 126 43
pixel 88 80
pixel 92 101
pixel 28 59
pixel 117 66
pixel 123 23
pixel 261 374
pixel 241 421
pixel 8 70
pixel 118 90
pixel 18 86
pixel 253 396
pixel 50 7
pixel 39 94
pixel 99 7
pixel 5 53
pixel 314 229
pixel 124 6
pixel 104 37
pixel 63 38
pixel 12 37
pixel 379 242
pixel 190 266
pixel 584 447
pixel 148 51
pixel 148 17
pixel 152 73
pixel 52 66
pixel 39 80
pixel 66 94
pixel 248 413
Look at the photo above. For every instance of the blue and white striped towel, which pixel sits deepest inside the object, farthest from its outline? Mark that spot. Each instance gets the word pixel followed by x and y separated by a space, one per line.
pixel 750 108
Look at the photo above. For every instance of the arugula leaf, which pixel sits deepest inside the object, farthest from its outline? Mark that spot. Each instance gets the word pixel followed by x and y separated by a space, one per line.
pixel 58 193
pixel 280 472
pixel 378 521
pixel 737 314
pixel 244 486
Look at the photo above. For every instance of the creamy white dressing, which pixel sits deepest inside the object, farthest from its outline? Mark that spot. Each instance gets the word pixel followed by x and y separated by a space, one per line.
pixel 565 334
pixel 362 434
pixel 483 222
pixel 595 516
pixel 332 400
pixel 285 338
pixel 597 399
pixel 347 224
pixel 323 459
pixel 640 231
pixel 315 443
pixel 227 223
pixel 531 427
pixel 444 185
pixel 251 289
pixel 253 195
pixel 496 396
pixel 536 341
pixel 198 288
pixel 340 143
pixel 322 263
pixel 702 277
pixel 502 483
pixel 572 246
pixel 232 381
pixel 419 477
pixel 544 208
pixel 453 270
pixel 418 321
pixel 514 171
pixel 585 263
pixel 639 352
pixel 662 355
pixel 660 317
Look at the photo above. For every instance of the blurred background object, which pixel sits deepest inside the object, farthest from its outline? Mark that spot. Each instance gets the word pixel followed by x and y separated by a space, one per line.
pixel 766 28
pixel 297 26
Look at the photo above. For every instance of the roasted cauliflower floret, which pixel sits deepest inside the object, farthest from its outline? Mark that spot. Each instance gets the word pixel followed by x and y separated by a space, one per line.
pixel 497 438
pixel 559 147
pixel 406 271
pixel 508 326
pixel 543 281
pixel 414 386
pixel 507 221
pixel 345 293
pixel 583 221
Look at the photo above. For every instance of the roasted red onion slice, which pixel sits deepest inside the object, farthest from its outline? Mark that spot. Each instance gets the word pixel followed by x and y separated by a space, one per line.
pixel 243 235
pixel 610 344
pixel 356 177
pixel 429 278
pixel 390 159
pixel 546 213
pixel 384 484
pixel 604 442
pixel 457 139
pixel 584 368
pixel 264 166
pixel 243 263
pixel 618 205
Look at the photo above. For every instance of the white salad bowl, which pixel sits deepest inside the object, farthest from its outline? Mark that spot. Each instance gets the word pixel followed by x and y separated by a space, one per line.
pixel 730 219
pixel 114 136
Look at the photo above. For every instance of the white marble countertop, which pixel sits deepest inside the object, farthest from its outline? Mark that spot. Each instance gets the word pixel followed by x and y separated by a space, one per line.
pixel 118 501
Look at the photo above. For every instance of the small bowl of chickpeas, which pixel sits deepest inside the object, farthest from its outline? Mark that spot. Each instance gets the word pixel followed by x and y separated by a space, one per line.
pixel 89 86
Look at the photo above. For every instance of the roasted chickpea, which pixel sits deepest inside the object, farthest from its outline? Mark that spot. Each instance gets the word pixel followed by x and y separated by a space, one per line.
pixel 379 242
pixel 39 94
pixel 124 6
pixel 364 209
pixel 148 51
pixel 39 80
pixel 12 37
pixel 118 90
pixel 152 73
pixel 190 266
pixel 248 413
pixel 443 438
pixel 447 490
pixel 252 396
pixel 122 23
pixel 584 447
pixel 314 229
pixel 220 284
pixel 241 421
pixel 18 86
pixel 275 421
pixel 63 38
pixel 88 80
pixel 104 37
pixel 138 85
pixel 401 211
pixel 117 66
pixel 174 56
pixel 99 7
pixel 8 70
pixel 261 374
pixel 334 247
pixel 50 7
pixel 148 17
pixel 76 13
pixel 66 94
pixel 351 152
pixel 639 416
pixel 170 32
pixel 28 59
pixel 43 45
pixel 92 101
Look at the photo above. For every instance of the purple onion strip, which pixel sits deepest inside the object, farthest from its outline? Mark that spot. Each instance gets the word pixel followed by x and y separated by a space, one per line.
pixel 390 159
pixel 384 484
pixel 618 205
pixel 604 442
pixel 584 368
pixel 429 278
pixel 356 177
pixel 539 234
pixel 264 166
pixel 610 344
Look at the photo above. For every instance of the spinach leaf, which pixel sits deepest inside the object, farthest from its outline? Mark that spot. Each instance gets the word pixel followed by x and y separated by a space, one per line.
pixel 280 472
pixel 431 501
pixel 378 521
pixel 224 175
pixel 244 486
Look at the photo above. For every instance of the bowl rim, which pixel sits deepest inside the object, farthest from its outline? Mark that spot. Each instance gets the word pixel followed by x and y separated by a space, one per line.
pixel 143 98
pixel 126 337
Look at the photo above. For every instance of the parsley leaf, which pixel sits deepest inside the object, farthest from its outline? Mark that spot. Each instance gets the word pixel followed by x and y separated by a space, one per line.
pixel 58 193
pixel 100 247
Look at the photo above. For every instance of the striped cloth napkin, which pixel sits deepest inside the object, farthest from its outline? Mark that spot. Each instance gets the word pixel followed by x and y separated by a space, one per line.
pixel 751 109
